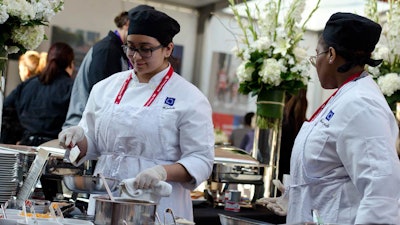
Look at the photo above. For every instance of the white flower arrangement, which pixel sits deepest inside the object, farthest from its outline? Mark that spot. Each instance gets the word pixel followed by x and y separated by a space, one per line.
pixel 22 23
pixel 220 136
pixel 272 58
pixel 269 50
pixel 389 83
pixel 387 75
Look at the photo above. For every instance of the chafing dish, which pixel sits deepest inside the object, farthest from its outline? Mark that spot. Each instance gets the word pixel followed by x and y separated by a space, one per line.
pixel 233 165
pixel 233 173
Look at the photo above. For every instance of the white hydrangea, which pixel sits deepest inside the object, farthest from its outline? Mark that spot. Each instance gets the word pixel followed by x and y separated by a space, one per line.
pixel 283 62
pixel 3 14
pixel 301 68
pixel 374 71
pixel 271 72
pixel 389 83
pixel 246 54
pixel 24 20
pixel 262 44
pixel 29 37
pixel 244 73
pixel 381 52
pixel 300 54
pixel 290 60
pixel 21 9
pixel 46 9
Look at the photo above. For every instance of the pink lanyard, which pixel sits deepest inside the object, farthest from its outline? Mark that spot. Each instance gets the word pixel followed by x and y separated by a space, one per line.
pixel 153 96
pixel 352 77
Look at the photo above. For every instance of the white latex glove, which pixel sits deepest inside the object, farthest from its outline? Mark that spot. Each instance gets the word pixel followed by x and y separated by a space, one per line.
pixel 161 189
pixel 149 178
pixel 70 136
pixel 277 205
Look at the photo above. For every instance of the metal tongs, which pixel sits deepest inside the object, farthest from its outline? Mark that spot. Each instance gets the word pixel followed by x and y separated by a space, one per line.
pixel 110 195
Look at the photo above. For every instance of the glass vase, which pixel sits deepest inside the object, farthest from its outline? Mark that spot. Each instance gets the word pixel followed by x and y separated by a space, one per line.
pixel 3 63
pixel 267 139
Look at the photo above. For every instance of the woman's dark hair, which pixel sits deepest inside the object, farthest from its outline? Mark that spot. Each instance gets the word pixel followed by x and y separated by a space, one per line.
pixel 121 19
pixel 295 109
pixel 247 118
pixel 59 57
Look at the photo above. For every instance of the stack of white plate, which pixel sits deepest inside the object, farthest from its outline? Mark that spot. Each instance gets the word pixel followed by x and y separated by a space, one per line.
pixel 8 174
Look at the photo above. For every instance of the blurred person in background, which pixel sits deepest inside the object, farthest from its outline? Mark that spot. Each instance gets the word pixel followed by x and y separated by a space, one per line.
pixel 237 137
pixel 30 64
pixel 41 102
pixel 105 58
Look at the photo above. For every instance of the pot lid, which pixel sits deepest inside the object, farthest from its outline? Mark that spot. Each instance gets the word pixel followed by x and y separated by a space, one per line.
pixel 231 154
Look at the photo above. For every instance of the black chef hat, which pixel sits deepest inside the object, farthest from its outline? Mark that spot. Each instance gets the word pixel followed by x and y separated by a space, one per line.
pixel 155 24
pixel 139 8
pixel 351 32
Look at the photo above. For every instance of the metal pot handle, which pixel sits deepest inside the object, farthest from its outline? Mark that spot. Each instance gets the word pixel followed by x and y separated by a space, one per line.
pixel 168 210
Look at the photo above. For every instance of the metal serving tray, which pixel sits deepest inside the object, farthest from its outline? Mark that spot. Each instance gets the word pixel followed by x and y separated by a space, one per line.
pixel 229 220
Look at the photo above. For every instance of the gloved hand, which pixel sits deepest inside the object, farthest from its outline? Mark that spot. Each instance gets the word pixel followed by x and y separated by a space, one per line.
pixel 149 178
pixel 70 136
pixel 277 205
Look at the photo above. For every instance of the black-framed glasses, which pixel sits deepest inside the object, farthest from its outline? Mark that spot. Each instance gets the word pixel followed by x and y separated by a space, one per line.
pixel 313 59
pixel 143 52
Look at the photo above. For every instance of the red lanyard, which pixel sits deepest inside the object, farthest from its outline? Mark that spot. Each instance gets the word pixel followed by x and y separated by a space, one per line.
pixel 352 77
pixel 153 96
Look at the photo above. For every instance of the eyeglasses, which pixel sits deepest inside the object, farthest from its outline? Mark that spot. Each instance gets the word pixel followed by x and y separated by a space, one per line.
pixel 313 58
pixel 143 52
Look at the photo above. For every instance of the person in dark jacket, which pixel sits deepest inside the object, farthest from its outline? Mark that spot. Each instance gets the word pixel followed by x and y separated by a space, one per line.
pixel 41 102
pixel 105 58
pixel 30 64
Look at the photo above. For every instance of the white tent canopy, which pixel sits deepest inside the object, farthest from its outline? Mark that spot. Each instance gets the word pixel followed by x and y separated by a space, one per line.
pixel 325 10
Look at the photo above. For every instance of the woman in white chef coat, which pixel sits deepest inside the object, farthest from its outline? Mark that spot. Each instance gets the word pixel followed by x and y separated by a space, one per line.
pixel 149 123
pixel 344 162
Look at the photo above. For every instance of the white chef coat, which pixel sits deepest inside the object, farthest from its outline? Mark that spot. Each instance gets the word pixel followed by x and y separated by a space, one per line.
pixel 344 163
pixel 128 137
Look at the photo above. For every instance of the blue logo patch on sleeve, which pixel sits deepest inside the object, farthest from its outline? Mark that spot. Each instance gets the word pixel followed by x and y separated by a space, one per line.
pixel 169 101
pixel 330 115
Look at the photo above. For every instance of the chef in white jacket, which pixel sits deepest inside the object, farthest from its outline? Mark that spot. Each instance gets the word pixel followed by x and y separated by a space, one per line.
pixel 149 123
pixel 344 162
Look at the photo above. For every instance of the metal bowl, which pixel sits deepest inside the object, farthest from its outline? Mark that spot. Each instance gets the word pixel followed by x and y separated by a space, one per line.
pixel 89 184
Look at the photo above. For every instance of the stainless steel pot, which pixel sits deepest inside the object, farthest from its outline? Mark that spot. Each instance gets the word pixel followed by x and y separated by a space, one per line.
pixel 124 211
